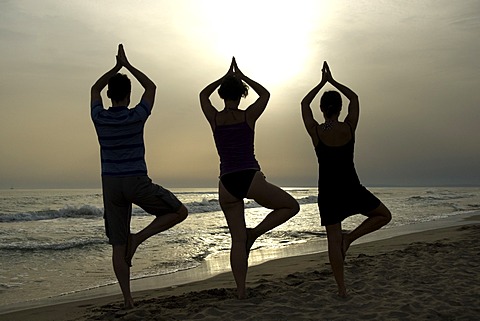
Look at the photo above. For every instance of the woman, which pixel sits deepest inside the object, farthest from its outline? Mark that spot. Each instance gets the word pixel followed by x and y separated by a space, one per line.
pixel 240 175
pixel 340 193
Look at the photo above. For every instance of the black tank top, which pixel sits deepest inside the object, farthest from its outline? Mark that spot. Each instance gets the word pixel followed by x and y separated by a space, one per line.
pixel 336 169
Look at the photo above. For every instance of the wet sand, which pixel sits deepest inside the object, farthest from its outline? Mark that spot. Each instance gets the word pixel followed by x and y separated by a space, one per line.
pixel 432 275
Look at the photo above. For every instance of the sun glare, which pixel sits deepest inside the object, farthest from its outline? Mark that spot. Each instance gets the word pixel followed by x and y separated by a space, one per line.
pixel 271 40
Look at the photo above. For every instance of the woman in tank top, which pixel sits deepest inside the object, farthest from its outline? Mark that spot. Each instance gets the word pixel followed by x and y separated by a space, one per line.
pixel 340 193
pixel 240 176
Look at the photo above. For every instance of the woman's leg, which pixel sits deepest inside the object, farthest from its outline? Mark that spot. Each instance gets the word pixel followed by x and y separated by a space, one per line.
pixel 284 206
pixel 335 255
pixel 233 209
pixel 375 220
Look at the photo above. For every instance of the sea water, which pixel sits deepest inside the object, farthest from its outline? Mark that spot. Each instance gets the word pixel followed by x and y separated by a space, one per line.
pixel 52 242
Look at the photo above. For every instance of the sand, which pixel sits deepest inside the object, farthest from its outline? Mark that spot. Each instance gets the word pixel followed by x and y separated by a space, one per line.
pixel 432 275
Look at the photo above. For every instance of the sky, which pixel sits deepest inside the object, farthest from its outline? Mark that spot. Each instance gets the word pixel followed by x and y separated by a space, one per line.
pixel 414 65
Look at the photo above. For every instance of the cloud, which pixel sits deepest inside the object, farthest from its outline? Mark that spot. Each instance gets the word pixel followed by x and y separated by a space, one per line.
pixel 413 65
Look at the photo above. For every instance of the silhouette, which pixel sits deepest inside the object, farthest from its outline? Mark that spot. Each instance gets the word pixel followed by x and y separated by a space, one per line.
pixel 240 175
pixel 124 171
pixel 340 193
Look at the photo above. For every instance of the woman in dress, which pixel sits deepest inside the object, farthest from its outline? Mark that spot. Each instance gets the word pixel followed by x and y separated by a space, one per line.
pixel 240 175
pixel 340 193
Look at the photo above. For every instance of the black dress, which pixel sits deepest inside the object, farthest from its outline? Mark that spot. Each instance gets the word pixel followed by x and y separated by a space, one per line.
pixel 340 193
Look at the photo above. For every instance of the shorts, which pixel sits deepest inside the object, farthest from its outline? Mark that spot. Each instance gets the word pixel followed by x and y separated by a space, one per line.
pixel 119 193
pixel 238 183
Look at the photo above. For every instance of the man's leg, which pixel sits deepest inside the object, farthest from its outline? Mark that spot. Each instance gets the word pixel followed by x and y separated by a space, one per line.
pixel 158 201
pixel 117 226
pixel 122 272
pixel 159 224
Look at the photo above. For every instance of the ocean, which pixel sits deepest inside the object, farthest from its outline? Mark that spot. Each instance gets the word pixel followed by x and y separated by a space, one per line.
pixel 52 242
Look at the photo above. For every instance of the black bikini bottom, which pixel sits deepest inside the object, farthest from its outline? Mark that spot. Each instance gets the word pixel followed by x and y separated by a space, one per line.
pixel 238 183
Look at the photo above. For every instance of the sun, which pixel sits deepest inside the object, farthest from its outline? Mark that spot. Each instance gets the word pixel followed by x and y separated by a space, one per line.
pixel 271 40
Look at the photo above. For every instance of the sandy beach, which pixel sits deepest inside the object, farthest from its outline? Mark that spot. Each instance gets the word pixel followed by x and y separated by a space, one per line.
pixel 431 275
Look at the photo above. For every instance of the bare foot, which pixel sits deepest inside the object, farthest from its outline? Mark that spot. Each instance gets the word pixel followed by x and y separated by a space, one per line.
pixel 342 292
pixel 131 248
pixel 242 295
pixel 129 304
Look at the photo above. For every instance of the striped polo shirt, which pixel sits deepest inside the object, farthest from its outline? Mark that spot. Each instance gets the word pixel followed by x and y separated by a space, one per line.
pixel 120 134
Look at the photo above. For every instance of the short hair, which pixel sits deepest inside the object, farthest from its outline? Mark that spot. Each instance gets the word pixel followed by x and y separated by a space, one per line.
pixel 331 103
pixel 119 87
pixel 232 88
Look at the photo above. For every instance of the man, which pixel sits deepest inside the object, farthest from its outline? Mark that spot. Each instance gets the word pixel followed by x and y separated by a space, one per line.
pixel 124 171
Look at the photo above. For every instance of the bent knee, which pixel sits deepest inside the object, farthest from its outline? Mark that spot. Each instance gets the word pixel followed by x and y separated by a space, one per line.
pixel 382 213
pixel 182 213
pixel 388 217
pixel 385 213
pixel 295 207
pixel 292 206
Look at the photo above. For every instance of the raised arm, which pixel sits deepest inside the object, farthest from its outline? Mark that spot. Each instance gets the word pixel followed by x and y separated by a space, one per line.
pixel 353 112
pixel 258 107
pixel 148 85
pixel 102 82
pixel 207 107
pixel 307 114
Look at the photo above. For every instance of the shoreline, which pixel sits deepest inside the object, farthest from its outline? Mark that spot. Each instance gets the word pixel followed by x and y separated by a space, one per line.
pixel 215 273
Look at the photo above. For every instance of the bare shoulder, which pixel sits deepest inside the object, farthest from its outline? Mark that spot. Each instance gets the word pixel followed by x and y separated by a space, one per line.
pixel 229 117
pixel 338 135
pixel 345 131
